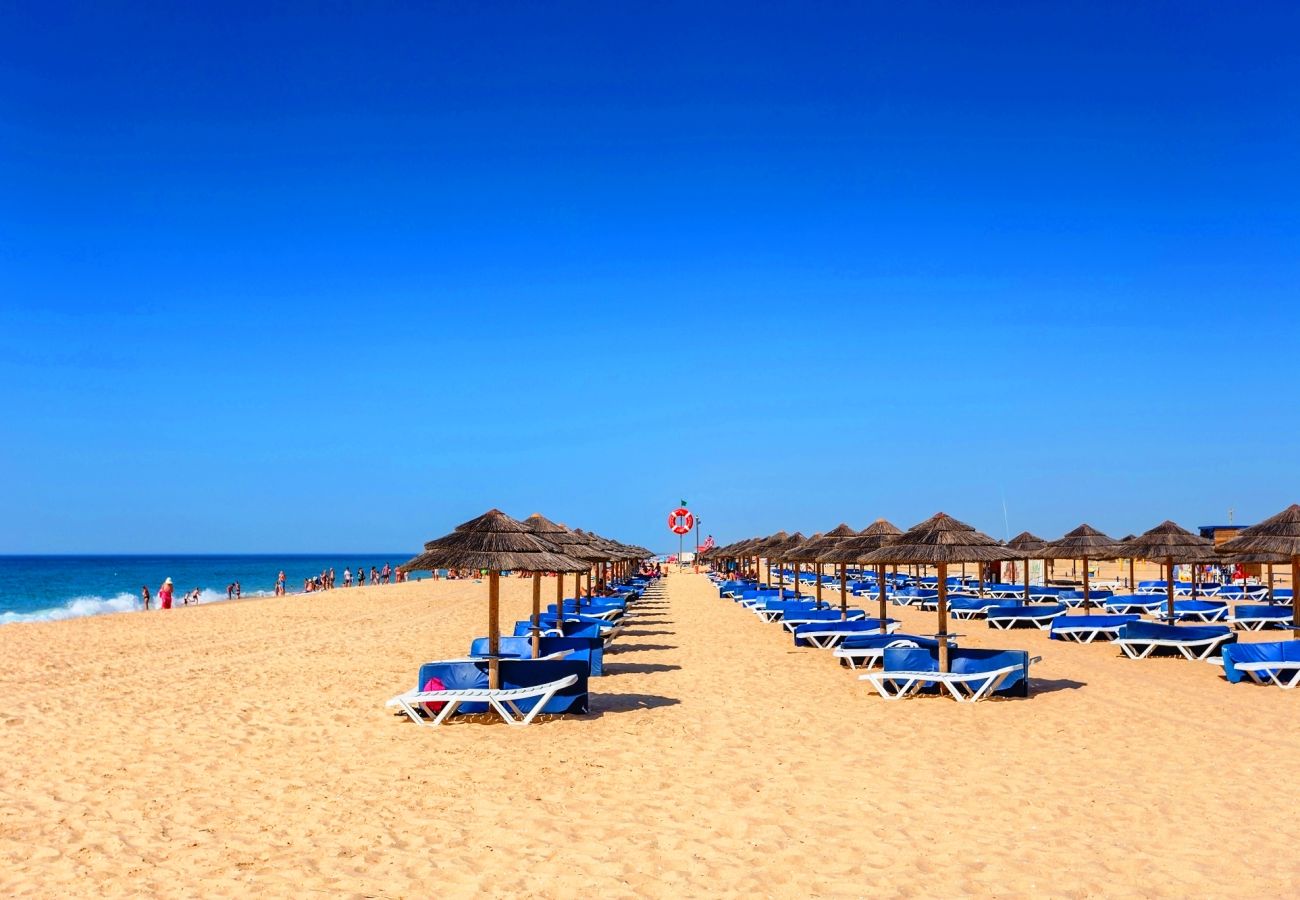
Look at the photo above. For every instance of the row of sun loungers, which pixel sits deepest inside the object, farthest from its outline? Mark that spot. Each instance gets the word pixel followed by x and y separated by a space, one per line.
pixel 909 664
pixel 1206 634
pixel 571 651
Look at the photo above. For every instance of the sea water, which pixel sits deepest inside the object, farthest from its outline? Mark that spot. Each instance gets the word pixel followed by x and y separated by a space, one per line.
pixel 45 588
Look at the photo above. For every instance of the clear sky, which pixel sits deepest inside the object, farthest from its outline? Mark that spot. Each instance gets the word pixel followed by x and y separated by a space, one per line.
pixel 343 275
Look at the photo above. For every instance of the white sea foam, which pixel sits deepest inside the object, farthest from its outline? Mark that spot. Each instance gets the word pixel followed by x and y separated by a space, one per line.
pixel 96 606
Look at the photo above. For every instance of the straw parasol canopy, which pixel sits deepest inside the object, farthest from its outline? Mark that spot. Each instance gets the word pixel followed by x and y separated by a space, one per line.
pixel 1278 534
pixel 496 542
pixel 1169 543
pixel 1026 544
pixel 1083 543
pixel 938 541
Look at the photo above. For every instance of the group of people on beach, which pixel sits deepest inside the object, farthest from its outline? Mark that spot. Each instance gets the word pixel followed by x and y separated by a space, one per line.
pixel 166 595
pixel 322 582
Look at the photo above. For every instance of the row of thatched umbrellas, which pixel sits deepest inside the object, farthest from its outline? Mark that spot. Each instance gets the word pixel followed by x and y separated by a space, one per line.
pixel 941 541
pixel 497 543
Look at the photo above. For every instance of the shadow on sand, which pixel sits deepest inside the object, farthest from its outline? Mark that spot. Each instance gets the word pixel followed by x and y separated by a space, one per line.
pixel 631 648
pixel 1052 685
pixel 631 668
pixel 604 704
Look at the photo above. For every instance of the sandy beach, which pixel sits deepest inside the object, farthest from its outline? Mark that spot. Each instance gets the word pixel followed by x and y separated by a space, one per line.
pixel 240 747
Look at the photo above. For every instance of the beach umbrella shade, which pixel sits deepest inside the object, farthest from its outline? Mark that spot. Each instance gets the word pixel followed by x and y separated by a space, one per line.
pixel 1267 559
pixel 1168 543
pixel 940 541
pixel 762 550
pixel 1279 534
pixel 574 544
pixel 856 549
pixel 814 547
pixel 1026 543
pixel 552 533
pixel 497 543
pixel 1083 543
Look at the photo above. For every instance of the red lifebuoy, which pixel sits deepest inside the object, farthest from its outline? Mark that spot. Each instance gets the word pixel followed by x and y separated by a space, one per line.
pixel 681 520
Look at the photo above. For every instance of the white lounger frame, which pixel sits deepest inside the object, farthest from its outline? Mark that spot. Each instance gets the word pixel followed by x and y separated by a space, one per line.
pixel 791 624
pixel 869 657
pixel 897 685
pixel 505 702
pixel 1193 650
pixel 1086 634
pixel 1266 672
pixel 1004 623
pixel 1252 623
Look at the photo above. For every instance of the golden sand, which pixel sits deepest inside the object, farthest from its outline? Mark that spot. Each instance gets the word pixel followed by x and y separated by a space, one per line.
pixel 241 747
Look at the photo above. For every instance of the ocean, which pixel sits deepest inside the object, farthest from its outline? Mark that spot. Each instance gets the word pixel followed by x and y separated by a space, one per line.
pixel 46 588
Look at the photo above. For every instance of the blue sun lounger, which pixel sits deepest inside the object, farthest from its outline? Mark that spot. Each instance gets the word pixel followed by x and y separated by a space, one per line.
pixel 795 618
pixel 1139 640
pixel 1276 662
pixel 1257 617
pixel 589 650
pixel 829 633
pixel 1039 615
pixel 867 649
pixel 1135 604
pixel 1198 611
pixel 528 688
pixel 974 607
pixel 1086 629
pixel 976 674
pixel 1074 599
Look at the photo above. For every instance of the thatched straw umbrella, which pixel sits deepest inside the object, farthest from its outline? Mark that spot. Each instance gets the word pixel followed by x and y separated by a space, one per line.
pixel 1083 543
pixel 498 543
pixel 940 541
pixel 855 549
pixel 1169 544
pixel 575 545
pixel 781 556
pixel 553 534
pixel 795 553
pixel 1279 534
pixel 763 550
pixel 1027 544
pixel 812 549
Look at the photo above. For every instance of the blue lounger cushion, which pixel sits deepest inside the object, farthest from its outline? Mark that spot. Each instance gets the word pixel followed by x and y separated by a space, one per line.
pixel 964 603
pixel 1269 651
pixel 518 647
pixel 1156 631
pixel 963 660
pixel 874 639
pixel 1263 611
pixel 1106 621
pixel 1027 611
pixel 571 629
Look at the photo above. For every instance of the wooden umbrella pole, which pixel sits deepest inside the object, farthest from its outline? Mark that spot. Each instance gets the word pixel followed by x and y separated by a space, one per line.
pixel 798 569
pixel 943 617
pixel 559 603
pixel 1270 583
pixel 494 629
pixel 537 614
pixel 880 591
pixel 819 585
pixel 1169 588
pixel 1295 594
pixel 1131 583
pixel 844 590
pixel 1087 597
pixel 1026 580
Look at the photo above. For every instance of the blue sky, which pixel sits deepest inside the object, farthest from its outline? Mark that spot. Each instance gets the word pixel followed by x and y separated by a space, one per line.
pixel 342 276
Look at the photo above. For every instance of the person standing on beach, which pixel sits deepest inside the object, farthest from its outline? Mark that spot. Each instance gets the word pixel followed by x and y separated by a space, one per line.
pixel 347 577
pixel 239 590
pixel 144 595
pixel 165 595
